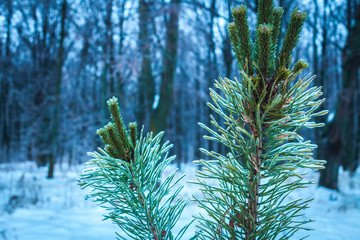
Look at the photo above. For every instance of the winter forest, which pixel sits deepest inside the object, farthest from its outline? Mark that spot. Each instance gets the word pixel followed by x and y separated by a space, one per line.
pixel 61 60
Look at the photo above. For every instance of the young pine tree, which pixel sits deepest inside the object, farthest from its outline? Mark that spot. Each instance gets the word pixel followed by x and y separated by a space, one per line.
pixel 125 181
pixel 261 116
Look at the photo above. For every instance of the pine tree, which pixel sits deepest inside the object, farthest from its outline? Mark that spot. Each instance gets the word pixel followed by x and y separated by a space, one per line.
pixel 261 116
pixel 125 181
pixel 263 113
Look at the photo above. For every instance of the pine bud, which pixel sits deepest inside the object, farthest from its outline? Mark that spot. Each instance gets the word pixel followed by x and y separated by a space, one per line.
pixel 103 134
pixel 292 36
pixel 300 65
pixel 133 133
pixel 113 106
pixel 239 12
pixel 119 123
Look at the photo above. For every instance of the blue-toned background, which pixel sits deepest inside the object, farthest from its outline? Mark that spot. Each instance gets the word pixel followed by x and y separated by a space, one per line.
pixel 60 60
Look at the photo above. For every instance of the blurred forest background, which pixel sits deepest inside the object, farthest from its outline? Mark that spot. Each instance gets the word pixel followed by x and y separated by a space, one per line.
pixel 60 60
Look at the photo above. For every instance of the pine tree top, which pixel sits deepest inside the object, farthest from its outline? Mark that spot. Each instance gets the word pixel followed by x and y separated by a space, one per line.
pixel 259 58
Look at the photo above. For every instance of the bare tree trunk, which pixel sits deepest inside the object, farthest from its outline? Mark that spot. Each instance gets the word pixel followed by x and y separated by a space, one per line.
pixel 58 75
pixel 107 80
pixel 121 26
pixel 119 80
pixel 334 144
pixel 322 135
pixel 212 69
pixel 324 47
pixel 179 133
pixel 228 58
pixel 146 84
pixel 199 105
pixel 349 123
pixel 8 26
pixel 160 114
pixel 344 129
pixel 5 134
pixel 314 37
pixel 329 137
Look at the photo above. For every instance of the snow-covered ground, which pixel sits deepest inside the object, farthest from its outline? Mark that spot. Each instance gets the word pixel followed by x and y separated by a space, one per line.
pixel 35 208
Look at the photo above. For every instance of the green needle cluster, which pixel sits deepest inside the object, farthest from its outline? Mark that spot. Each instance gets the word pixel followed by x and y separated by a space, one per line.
pixel 264 51
pixel 118 142
pixel 265 14
pixel 260 57
pixel 292 36
pixel 243 47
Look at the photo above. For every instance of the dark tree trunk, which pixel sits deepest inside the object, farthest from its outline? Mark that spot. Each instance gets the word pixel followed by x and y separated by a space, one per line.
pixel 58 76
pixel 199 105
pixel 8 27
pixel 199 117
pixel 322 136
pixel 107 80
pixel 343 142
pixel 146 84
pixel 212 70
pixel 314 37
pixel 179 133
pixel 349 121
pixel 5 123
pixel 119 78
pixel 161 112
pixel 121 26
pixel 110 51
pixel 333 143
pixel 228 58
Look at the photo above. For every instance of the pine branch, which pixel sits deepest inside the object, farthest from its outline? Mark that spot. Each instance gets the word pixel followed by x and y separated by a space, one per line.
pixel 292 36
pixel 264 150
pixel 103 135
pixel 235 41
pixel 265 12
pixel 125 181
pixel 263 52
pixel 278 12
pixel 119 124
pixel 240 37
pixel 300 65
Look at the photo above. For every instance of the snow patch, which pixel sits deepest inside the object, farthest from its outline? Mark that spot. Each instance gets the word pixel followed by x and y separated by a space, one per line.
pixel 156 102
pixel 62 212
pixel 330 117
